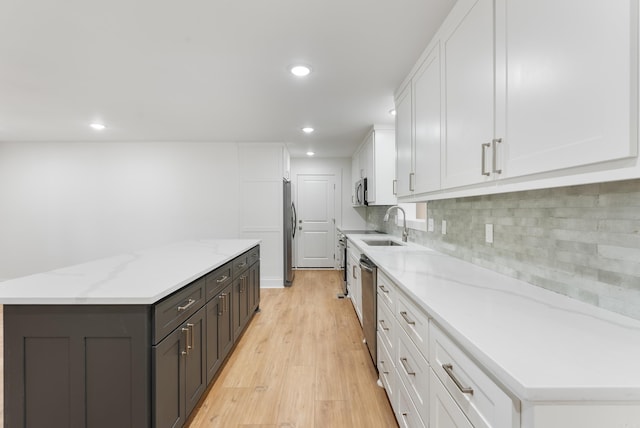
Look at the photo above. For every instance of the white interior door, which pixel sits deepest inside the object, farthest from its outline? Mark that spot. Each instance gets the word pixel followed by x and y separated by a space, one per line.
pixel 316 221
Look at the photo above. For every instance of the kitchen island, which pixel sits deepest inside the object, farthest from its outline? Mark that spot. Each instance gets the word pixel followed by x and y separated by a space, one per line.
pixel 552 360
pixel 128 341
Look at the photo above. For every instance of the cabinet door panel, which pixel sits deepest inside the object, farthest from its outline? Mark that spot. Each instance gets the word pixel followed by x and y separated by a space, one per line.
pixel 569 85
pixel 404 137
pixel 214 310
pixel 169 381
pixel 195 361
pixel 468 61
pixel 426 96
pixel 444 412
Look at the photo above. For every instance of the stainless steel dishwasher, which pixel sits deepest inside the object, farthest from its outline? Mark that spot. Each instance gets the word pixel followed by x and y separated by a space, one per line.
pixel 369 307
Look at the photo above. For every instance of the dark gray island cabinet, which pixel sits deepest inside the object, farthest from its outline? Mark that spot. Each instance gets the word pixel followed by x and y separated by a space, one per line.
pixel 126 365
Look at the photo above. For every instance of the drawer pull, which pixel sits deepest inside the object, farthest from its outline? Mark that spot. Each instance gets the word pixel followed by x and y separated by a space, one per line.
pixel 407 319
pixel 383 288
pixel 185 307
pixel 243 264
pixel 222 279
pixel 405 366
pixel 464 389
pixel 384 325
pixel 186 345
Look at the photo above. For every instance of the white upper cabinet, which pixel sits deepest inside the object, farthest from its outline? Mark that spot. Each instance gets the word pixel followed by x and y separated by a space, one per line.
pixel 418 129
pixel 404 142
pixel 517 94
pixel 427 124
pixel 468 107
pixel 374 160
pixel 571 83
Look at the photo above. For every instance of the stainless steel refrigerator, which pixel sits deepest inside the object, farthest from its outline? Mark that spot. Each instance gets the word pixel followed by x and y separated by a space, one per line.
pixel 289 222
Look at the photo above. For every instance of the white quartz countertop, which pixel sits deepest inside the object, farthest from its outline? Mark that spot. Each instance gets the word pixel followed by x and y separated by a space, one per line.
pixel 539 344
pixel 138 277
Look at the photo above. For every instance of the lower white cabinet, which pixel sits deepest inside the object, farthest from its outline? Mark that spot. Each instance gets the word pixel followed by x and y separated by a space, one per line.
pixel 483 402
pixel 413 372
pixel 353 279
pixel 406 412
pixel 444 412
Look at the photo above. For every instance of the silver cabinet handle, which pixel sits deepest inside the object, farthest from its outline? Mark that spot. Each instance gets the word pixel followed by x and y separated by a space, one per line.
pixel 186 345
pixel 395 187
pixel 384 325
pixel 405 366
pixel 223 278
pixel 407 319
pixel 382 366
pixel 495 142
pixel 464 389
pixel 383 288
pixel 353 271
pixel 185 307
pixel 190 344
pixel 221 305
pixel 483 160
pixel 243 264
pixel 411 175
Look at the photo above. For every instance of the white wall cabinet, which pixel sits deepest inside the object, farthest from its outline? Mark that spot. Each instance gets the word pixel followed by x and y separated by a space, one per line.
pixel 571 85
pixel 468 107
pixel 374 160
pixel 418 124
pixel 533 94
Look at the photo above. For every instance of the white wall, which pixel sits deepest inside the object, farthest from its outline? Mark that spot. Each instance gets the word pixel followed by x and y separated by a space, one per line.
pixel 347 217
pixel 67 203
pixel 261 173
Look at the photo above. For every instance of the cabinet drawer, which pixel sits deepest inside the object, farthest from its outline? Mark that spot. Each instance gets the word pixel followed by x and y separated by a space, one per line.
pixel 444 412
pixel 483 402
pixel 414 322
pixel 176 308
pixel 254 255
pixel 218 279
pixel 387 327
pixel 240 264
pixel 387 371
pixel 387 290
pixel 406 413
pixel 413 372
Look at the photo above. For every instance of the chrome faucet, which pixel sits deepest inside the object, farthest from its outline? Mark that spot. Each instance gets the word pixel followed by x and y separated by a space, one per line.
pixel 405 233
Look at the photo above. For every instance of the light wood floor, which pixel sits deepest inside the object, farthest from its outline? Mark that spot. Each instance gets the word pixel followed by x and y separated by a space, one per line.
pixel 301 363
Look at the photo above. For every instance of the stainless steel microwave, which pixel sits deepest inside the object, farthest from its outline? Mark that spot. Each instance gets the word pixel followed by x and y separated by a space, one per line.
pixel 360 193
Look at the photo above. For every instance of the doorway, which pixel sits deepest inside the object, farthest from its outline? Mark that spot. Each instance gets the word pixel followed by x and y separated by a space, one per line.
pixel 315 237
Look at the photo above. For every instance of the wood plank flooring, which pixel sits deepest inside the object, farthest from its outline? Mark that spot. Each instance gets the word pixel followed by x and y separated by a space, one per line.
pixel 301 363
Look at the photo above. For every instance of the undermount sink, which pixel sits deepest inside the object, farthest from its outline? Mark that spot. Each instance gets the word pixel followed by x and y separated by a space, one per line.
pixel 382 243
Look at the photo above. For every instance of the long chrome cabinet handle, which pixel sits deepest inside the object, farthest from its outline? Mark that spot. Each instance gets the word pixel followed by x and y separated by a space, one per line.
pixel 411 175
pixel 382 366
pixel 395 188
pixel 405 366
pixel 483 159
pixel 185 307
pixel 221 305
pixel 464 389
pixel 186 344
pixel 221 279
pixel 190 343
pixel 384 325
pixel 495 142
pixel 383 288
pixel 407 319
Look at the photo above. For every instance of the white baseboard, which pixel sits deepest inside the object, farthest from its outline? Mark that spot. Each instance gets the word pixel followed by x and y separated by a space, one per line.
pixel 271 283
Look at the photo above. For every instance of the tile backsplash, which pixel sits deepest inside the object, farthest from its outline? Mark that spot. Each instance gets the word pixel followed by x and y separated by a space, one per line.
pixel 581 241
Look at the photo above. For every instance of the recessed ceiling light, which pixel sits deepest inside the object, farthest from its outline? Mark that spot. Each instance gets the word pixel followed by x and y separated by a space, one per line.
pixel 97 126
pixel 307 130
pixel 392 112
pixel 300 70
pixel 310 153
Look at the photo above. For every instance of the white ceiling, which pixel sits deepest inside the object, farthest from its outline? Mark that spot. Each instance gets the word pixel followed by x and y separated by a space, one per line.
pixel 214 70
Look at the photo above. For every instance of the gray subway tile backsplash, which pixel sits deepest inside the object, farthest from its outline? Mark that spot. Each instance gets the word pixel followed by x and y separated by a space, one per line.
pixel 581 241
